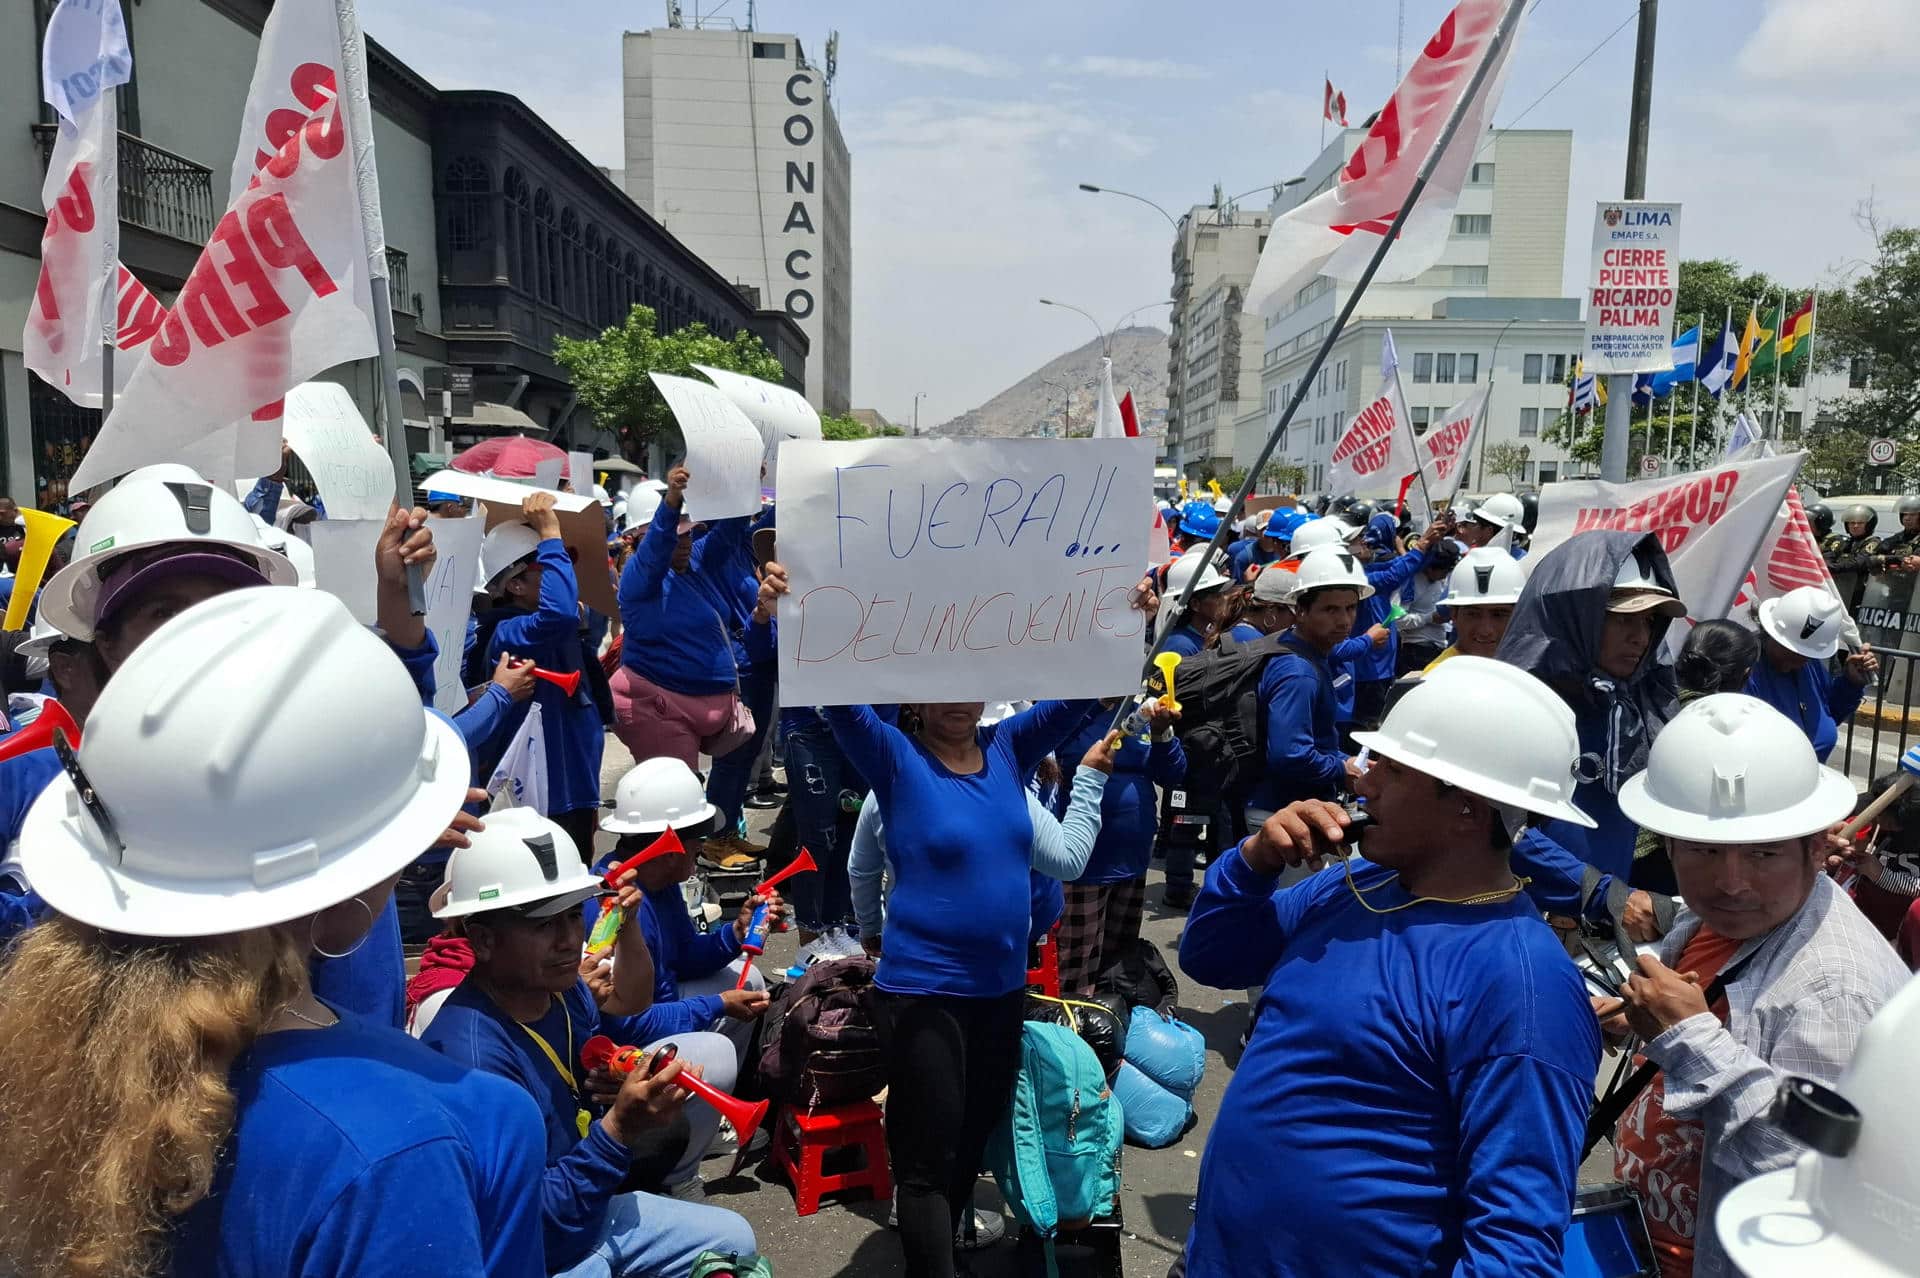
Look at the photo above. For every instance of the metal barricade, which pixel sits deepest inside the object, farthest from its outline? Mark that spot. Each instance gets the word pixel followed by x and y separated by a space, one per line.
pixel 1869 749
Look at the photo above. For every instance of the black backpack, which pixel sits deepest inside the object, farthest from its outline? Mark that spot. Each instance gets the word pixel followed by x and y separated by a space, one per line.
pixel 819 1045
pixel 1222 729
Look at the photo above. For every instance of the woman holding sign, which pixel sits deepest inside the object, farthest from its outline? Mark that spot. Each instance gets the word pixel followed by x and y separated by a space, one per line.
pixel 952 974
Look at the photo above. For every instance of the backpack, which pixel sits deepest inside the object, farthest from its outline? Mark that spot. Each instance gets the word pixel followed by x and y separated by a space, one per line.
pixel 716 1264
pixel 1140 976
pixel 819 1045
pixel 1056 1153
pixel 1224 733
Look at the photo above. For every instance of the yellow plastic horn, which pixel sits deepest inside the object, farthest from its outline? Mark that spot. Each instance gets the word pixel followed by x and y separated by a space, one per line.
pixel 1213 486
pixel 1168 662
pixel 43 530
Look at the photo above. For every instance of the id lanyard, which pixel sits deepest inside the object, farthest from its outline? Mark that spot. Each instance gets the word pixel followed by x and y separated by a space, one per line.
pixel 581 1117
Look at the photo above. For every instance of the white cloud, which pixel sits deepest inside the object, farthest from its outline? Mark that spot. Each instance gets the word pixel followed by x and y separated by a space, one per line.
pixel 945 57
pixel 1127 68
pixel 1835 42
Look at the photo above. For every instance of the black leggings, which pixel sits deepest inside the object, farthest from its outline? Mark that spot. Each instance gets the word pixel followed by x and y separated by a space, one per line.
pixel 951 1063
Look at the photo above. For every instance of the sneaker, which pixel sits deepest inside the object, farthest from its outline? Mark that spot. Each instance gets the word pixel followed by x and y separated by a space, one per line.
pixel 691 1190
pixel 981 1229
pixel 731 854
pixel 727 1141
pixel 842 943
pixel 1178 898
pixel 819 950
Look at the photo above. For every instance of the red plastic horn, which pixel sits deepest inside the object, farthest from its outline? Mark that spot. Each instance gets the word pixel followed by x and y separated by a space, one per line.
pixel 746 1116
pixel 799 865
pixel 38 734
pixel 567 683
pixel 666 845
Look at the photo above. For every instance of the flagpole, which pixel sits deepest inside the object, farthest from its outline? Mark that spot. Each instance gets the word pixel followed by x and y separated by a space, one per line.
pixel 109 292
pixel 1326 79
pixel 1726 388
pixel 1668 468
pixel 1693 413
pixel 1502 34
pixel 1780 318
pixel 1807 398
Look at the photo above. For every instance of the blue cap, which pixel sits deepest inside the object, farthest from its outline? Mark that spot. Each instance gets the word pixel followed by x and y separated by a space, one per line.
pixel 435 497
pixel 1199 519
pixel 1283 521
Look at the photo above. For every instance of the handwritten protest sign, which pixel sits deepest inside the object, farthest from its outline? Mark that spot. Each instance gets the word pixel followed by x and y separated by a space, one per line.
pixel 583 526
pixel 324 428
pixel 962 569
pixel 777 412
pixel 580 471
pixel 450 601
pixel 724 450
pixel 343 563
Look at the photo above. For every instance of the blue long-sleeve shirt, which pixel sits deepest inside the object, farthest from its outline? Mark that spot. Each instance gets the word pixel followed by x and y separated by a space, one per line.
pixel 1185 640
pixel 264 498
pixel 550 634
pixel 1304 759
pixel 960 846
pixel 674 637
pixel 1378 663
pixel 1129 808
pixel 1811 697
pixel 583 1171
pixel 1427 1072
pixel 722 570
pixel 679 954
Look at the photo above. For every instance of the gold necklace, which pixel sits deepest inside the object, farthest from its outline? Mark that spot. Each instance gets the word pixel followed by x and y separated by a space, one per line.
pixel 1479 898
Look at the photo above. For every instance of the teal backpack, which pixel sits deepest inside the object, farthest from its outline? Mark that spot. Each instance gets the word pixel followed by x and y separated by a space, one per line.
pixel 1056 1155
pixel 714 1264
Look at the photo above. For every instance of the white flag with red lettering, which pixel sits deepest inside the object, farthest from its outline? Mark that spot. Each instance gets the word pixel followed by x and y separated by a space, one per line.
pixel 1107 422
pixel 283 290
pixel 1375 451
pixel 1789 558
pixel 1336 233
pixel 77 300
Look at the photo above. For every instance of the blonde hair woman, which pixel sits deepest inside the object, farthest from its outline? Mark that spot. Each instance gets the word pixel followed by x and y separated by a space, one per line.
pixel 172 1095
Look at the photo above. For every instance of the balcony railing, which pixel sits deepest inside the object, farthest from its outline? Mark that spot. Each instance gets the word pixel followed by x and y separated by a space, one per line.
pixel 397 285
pixel 159 190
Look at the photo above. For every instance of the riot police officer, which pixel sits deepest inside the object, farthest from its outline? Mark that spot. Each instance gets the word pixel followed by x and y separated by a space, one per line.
pixel 1820 515
pixel 1902 549
pixel 1853 553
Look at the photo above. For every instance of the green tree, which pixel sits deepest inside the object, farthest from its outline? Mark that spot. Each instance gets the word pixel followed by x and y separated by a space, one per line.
pixel 1873 319
pixel 841 428
pixel 609 373
pixel 1507 459
pixel 1283 477
pixel 1232 480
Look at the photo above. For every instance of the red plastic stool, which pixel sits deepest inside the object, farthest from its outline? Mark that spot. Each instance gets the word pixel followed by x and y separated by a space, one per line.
pixel 801 1141
pixel 1047 975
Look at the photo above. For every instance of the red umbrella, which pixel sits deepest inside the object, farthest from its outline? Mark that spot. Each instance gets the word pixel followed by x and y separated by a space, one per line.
pixel 510 457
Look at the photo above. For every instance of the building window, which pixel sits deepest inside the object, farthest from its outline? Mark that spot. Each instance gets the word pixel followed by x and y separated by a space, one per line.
pixel 1421 416
pixel 1470 368
pixel 546 248
pixel 769 49
pixel 570 271
pixel 1549 472
pixel 1859 372
pixel 1556 369
pixel 1793 422
pixel 1529 422
pixel 468 186
pixel 520 250
pixel 1319 430
pixel 1423 368
pixel 1443 369
pixel 1470 276
pixel 1481 174
pixel 1320 383
pixel 1340 375
pixel 1530 368
pixel 1473 224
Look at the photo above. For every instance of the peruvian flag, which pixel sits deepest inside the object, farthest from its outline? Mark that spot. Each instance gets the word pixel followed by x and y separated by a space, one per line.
pixel 1789 558
pixel 1337 232
pixel 1335 106
pixel 283 290
pixel 1375 451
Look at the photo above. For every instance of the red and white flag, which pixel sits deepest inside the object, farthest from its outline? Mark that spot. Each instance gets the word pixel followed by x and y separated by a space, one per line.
pixel 1375 451
pixel 283 290
pixel 1336 233
pixel 82 293
pixel 1335 106
pixel 1789 558
pixel 1107 423
pixel 1129 418
pixel 1444 449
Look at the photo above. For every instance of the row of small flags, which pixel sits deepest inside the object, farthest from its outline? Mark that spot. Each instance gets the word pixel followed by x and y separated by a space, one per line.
pixel 1765 345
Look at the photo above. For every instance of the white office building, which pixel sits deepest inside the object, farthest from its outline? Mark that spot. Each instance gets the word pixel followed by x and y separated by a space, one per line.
pixel 1489 310
pixel 732 144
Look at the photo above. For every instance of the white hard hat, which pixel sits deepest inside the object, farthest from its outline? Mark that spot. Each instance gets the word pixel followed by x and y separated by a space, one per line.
pixel 37 645
pixel 1729 768
pixel 643 503
pixel 1440 728
pixel 655 794
pixel 1275 585
pixel 155 505
pixel 1635 590
pixel 1197 560
pixel 1221 505
pixel 1485 576
pixel 504 546
pixel 260 757
pixel 1502 510
pixel 1324 531
pixel 298 553
pixel 1807 620
pixel 1330 566
pixel 1844 1213
pixel 519 859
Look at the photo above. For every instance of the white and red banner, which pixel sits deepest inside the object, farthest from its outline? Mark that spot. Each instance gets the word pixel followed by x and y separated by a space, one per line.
pixel 1633 286
pixel 1375 451
pixel 1712 522
pixel 283 290
pixel 82 291
pixel 1337 232
pixel 1443 452
pixel 1107 422
pixel 1129 417
pixel 1789 558
pixel 1334 106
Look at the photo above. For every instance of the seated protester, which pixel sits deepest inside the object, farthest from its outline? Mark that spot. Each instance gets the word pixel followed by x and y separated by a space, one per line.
pixel 1481 594
pixel 1590 624
pixel 695 974
pixel 534 613
pixel 1208 610
pixel 1424 1052
pixel 1103 905
pixel 1422 625
pixel 1736 790
pixel 524 1012
pixel 1800 633
pixel 209 1114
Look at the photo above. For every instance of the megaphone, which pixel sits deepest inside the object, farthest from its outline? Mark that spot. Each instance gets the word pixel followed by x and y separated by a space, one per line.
pixel 746 1116
pixel 43 531
pixel 799 865
pixel 567 683
pixel 53 718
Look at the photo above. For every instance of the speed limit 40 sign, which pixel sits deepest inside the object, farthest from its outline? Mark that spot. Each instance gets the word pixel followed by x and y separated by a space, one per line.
pixel 1881 452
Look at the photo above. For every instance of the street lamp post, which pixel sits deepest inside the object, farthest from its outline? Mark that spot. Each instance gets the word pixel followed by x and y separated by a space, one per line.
pixel 917 397
pixel 1066 401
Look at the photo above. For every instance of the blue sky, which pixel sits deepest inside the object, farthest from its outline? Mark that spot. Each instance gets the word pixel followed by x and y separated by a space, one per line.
pixel 970 125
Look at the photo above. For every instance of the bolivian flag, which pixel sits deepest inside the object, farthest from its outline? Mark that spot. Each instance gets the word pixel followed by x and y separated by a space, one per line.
pixel 1794 332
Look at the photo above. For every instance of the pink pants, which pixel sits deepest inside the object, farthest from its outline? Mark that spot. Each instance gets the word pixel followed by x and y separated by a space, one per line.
pixel 653 722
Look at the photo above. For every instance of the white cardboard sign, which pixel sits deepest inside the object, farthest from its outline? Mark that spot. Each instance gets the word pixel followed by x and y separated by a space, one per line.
pixel 962 569
pixel 354 474
pixel 777 412
pixel 450 602
pixel 724 449
pixel 1633 285
pixel 583 526
pixel 343 563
